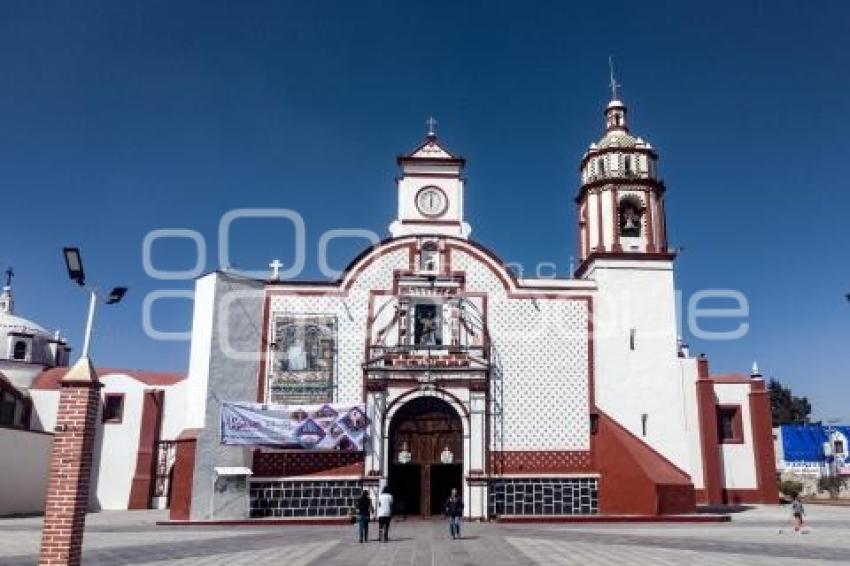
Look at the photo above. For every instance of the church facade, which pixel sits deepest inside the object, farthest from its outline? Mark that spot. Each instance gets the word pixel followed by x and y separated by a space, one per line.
pixel 532 397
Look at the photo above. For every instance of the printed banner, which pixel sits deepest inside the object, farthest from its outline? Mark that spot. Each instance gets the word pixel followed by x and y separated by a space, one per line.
pixel 309 427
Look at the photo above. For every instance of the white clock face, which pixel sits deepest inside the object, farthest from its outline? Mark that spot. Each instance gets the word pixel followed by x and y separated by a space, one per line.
pixel 431 201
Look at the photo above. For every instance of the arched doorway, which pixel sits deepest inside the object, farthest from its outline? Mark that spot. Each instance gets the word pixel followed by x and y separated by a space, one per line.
pixel 422 434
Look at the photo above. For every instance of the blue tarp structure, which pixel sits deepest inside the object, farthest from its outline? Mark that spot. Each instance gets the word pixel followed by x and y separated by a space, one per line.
pixel 804 443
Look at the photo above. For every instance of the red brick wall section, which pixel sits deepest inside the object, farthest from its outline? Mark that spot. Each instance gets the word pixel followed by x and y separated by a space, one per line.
pixel 635 479
pixel 183 477
pixel 712 475
pixel 540 462
pixel 70 474
pixel 282 464
pixel 760 418
pixel 141 490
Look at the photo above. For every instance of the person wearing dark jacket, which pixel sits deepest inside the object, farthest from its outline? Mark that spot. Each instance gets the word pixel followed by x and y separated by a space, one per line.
pixel 364 511
pixel 454 511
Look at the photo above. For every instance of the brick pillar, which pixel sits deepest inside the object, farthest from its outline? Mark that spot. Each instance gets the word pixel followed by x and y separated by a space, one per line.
pixel 762 427
pixel 70 467
pixel 712 475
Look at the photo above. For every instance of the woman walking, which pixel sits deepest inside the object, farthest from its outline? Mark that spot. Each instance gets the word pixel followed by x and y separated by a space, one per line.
pixel 364 511
pixel 454 511
pixel 385 514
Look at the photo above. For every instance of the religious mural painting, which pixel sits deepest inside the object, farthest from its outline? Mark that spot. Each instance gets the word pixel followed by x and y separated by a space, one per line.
pixel 303 360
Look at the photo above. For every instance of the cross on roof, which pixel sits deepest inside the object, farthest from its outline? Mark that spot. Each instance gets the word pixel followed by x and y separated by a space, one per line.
pixel 614 84
pixel 9 274
pixel 432 126
pixel 276 265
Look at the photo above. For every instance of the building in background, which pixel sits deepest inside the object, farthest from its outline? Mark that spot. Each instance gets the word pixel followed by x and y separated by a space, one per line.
pixel 531 396
pixel 809 452
pixel 140 416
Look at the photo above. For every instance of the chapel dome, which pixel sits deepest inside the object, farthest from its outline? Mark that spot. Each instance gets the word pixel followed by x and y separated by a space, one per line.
pixel 13 323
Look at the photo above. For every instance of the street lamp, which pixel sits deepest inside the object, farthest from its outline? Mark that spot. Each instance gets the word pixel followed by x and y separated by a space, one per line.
pixel 76 273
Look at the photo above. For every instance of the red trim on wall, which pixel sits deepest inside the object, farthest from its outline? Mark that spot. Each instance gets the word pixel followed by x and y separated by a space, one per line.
pixel 540 461
pixel 283 464
pixel 712 477
pixel 264 349
pixel 765 459
pixel 141 490
pixel 183 475
pixel 635 479
pixel 650 220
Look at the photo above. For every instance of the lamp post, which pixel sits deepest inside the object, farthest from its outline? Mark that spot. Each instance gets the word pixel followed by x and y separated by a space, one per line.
pixel 73 442
pixel 74 263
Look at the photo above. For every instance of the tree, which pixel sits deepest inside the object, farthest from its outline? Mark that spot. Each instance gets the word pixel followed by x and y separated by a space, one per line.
pixel 786 407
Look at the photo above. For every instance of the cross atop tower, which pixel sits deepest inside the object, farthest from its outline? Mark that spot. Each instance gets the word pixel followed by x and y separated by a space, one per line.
pixel 432 126
pixel 9 274
pixel 613 84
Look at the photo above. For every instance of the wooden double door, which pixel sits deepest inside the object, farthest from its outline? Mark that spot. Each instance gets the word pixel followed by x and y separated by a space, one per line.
pixel 426 428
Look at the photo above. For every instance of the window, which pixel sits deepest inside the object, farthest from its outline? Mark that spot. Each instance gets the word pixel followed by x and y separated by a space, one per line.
pixel 113 408
pixel 601 164
pixel 20 350
pixel 426 331
pixel 627 164
pixel 643 420
pixel 632 334
pixel 730 428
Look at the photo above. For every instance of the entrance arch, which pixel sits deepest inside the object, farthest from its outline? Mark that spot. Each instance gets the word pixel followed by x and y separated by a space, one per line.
pixel 421 480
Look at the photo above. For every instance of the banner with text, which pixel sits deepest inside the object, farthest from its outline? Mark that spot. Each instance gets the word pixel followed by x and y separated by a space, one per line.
pixel 328 426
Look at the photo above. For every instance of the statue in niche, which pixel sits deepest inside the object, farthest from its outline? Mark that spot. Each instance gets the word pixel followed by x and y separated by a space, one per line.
pixel 427 325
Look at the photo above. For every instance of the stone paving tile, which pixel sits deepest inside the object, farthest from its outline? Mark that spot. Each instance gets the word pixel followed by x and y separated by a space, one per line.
pixel 753 538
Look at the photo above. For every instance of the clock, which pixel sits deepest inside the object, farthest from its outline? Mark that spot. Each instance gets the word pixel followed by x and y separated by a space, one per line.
pixel 431 201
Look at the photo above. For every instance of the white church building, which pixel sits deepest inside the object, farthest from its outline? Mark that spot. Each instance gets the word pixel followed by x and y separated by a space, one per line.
pixel 532 397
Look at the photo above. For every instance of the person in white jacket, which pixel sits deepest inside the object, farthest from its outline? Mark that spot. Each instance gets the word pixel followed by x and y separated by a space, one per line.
pixel 385 514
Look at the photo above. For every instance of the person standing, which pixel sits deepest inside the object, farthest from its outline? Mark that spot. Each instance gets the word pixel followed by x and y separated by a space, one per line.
pixel 364 511
pixel 454 511
pixel 798 512
pixel 385 514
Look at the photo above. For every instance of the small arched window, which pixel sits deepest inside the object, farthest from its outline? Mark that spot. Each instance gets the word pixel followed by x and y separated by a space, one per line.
pixel 19 351
pixel 630 213
pixel 627 164
pixel 601 165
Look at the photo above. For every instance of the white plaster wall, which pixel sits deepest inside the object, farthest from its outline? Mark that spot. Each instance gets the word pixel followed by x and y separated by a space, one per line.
pixel 24 468
pixel 174 410
pixel 19 373
pixel 688 370
pixel 640 294
pixel 117 445
pixel 739 466
pixel 200 351
pixel 541 348
pixel 45 406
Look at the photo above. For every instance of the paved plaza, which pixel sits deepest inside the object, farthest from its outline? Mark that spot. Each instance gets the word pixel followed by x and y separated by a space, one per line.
pixel 753 537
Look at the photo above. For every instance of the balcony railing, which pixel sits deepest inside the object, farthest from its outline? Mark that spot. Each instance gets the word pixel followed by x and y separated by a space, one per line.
pixel 448 358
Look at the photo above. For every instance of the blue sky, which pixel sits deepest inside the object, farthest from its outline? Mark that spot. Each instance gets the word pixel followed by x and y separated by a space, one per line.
pixel 117 118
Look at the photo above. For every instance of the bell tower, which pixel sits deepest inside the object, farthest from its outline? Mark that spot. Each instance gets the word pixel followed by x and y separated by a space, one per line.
pixel 430 191
pixel 620 204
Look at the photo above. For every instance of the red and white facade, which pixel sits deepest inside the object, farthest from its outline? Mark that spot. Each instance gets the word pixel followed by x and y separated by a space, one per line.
pixel 535 397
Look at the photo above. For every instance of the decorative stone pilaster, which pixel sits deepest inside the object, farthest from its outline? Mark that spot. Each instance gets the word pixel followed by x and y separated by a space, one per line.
pixel 70 467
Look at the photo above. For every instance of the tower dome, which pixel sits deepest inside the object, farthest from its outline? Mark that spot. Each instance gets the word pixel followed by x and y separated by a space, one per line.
pixel 26 348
